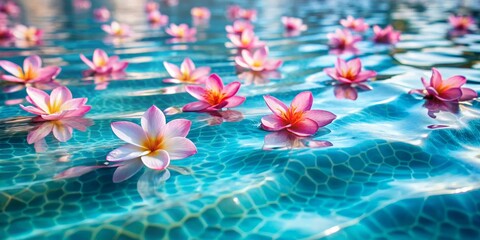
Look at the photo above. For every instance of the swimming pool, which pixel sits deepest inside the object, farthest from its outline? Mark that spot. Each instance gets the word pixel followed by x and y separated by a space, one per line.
pixel 384 168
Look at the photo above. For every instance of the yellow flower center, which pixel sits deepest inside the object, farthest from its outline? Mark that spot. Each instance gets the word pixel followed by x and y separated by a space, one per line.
pixel 291 116
pixel 214 97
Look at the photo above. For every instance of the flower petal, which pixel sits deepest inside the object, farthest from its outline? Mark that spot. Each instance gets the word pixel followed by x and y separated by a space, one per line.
pixel 179 148
pixel 195 107
pixel 126 171
pixel 176 128
pixel 46 74
pixel 303 101
pixel 196 92
pixel 40 132
pixel 87 61
pixel 173 70
pixel 187 66
pixel 436 79
pixel 59 96
pixel 126 152
pixel 306 127
pixel 450 95
pixel 231 89
pixel 363 76
pixel 33 110
pixel 455 81
pixel 39 98
pixel 273 123
pixel 468 94
pixel 153 120
pixel 62 132
pixel 100 58
pixel 129 132
pixel 200 72
pixel 12 68
pixel 277 107
pixel 214 82
pixel 234 101
pixel 355 66
pixel 157 160
pixel 321 117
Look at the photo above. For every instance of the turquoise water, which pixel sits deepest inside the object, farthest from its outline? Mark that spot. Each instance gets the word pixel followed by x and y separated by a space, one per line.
pixel 392 171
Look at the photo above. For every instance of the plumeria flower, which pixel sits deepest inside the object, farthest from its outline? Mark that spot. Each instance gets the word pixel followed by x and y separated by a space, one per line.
pixel 187 73
pixel 247 14
pixel 5 33
pixel 10 8
pixel 58 105
pixel 32 71
pixel 342 39
pixel 152 144
pixel 298 118
pixel 103 64
pixel 101 14
pixel 293 24
pixel 461 22
pixel 257 61
pixel 151 7
pixel 238 27
pixel 233 11
pixel 158 19
pixel 214 96
pixel 448 90
pixel 387 35
pixel 29 34
pixel 117 29
pixel 62 129
pixel 82 4
pixel 357 25
pixel 247 40
pixel 349 72
pixel 181 31
pixel 200 13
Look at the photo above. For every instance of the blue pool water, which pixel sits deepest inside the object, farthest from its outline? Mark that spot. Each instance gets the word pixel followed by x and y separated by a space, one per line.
pixel 392 172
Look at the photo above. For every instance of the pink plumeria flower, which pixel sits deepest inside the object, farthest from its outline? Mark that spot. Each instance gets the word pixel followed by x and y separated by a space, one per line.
pixel 387 35
pixel 187 73
pixel 117 29
pixel 32 71
pixel 247 40
pixel 233 11
pixel 103 64
pixel 293 24
pixel 101 14
pixel 151 7
pixel 153 144
pixel 461 22
pixel 10 8
pixel 200 13
pixel 158 19
pixel 5 33
pixel 82 4
pixel 30 34
pixel 58 105
pixel 298 119
pixel 238 27
pixel 342 39
pixel 349 72
pixel 181 31
pixel 214 96
pixel 247 14
pixel 257 61
pixel 357 25
pixel 449 90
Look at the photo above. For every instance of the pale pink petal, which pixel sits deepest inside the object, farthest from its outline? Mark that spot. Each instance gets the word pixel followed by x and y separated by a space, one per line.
pixel 231 89
pixel 187 66
pixel 179 147
pixel 153 120
pixel 100 57
pixel 365 75
pixel 39 98
pixel 331 72
pixel 241 62
pixel 355 65
pixel 173 70
pixel 87 61
pixel 273 64
pixel 321 117
pixel 9 78
pixel 126 171
pixel 176 128
pixel 425 83
pixel 40 132
pixel 157 160
pixel 247 56
pixel 129 132
pixel 195 107
pixel 196 92
pixel 341 67
pixel 302 102
pixel 59 96
pixel 468 94
pixel 126 152
pixel 12 68
pixel 200 72
pixel 33 110
pixel 273 123
pixel 277 107
pixel 234 101
pixel 79 112
pixel 306 127
pixel 214 82
pixel 416 91
pixel 62 133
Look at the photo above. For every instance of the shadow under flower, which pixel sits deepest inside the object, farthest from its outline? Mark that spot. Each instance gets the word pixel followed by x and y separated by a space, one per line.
pixel 259 78
pixel 350 91
pixel 101 81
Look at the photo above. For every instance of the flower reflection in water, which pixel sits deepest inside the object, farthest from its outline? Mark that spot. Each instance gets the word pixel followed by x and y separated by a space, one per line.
pixel 350 91
pixel 287 140
pixel 435 106
pixel 259 78
pixel 102 80
pixel 218 117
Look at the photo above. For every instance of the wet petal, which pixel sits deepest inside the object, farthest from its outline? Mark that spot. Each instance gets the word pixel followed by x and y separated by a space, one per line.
pixel 100 58
pixel 173 70
pixel 455 81
pixel 321 117
pixel 277 107
pixel 153 121
pixel 39 98
pixel 32 62
pixel 234 101
pixel 40 132
pixel 126 152
pixel 59 96
pixel 231 89
pixel 12 68
pixel 306 127
pixel 214 82
pixel 33 110
pixel 196 92
pixel 129 132
pixel 468 94
pixel 273 123
pixel 157 160
pixel 195 107
pixel 87 61
pixel 436 79
pixel 176 128
pixel 179 148
pixel 126 171
pixel 303 101
pixel 200 72
pixel 47 74
pixel 187 66
pixel 451 94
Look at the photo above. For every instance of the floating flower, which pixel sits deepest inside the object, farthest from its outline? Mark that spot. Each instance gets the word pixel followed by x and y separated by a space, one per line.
pixel 32 71
pixel 29 34
pixel 62 129
pixel 151 7
pixel 101 14
pixel 214 96
pixel 298 118
pixel 449 90
pixel 200 13
pixel 117 29
pixel 82 4
pixel 257 61
pixel 153 144
pixel 103 64
pixel 293 24
pixel 181 31
pixel 387 35
pixel 461 22
pixel 238 27
pixel 342 39
pixel 233 11
pixel 349 72
pixel 5 33
pixel 10 8
pixel 158 19
pixel 357 25
pixel 187 73
pixel 58 105
pixel 247 14
pixel 247 40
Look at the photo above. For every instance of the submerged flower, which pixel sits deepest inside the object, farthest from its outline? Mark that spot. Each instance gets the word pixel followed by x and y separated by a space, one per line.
pixel 200 12
pixel 101 14
pixel 357 25
pixel 117 29
pixel 156 18
pixel 58 105
pixel 103 64
pixel 461 22
pixel 447 90
pixel 387 35
pixel 342 39
pixel 32 71
pixel 238 27
pixel 181 31
pixel 349 72
pixel 247 40
pixel 214 96
pixel 298 118
pixel 257 61
pixel 30 34
pixel 293 24
pixel 152 144
pixel 187 73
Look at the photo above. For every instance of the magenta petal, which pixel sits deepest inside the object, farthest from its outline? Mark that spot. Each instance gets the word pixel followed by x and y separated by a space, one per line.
pixel 234 101
pixel 303 101
pixel 468 94
pixel 157 160
pixel 425 82
pixel 126 171
pixel 306 127
pixel 214 82
pixel 455 81
pixel 33 110
pixel 40 132
pixel 331 72
pixel 196 92
pixel 153 121
pixel 355 66
pixel 321 117
pixel 176 128
pixel 79 112
pixel 436 79
pixel 179 147
pixel 231 89
pixel 62 132
pixel 129 132
pixel 126 152
pixel 195 107
pixel 273 123
pixel 277 107
pixel 363 76
pixel 450 95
